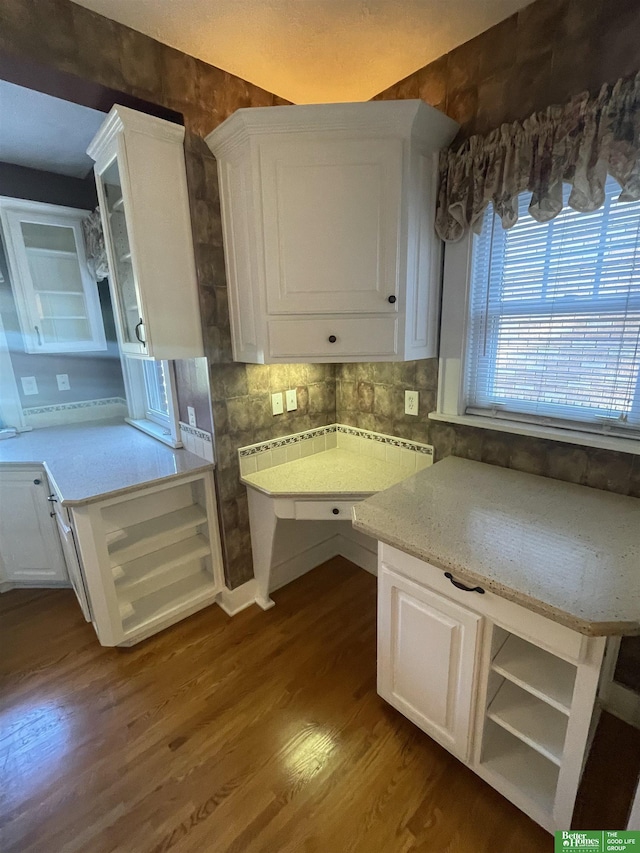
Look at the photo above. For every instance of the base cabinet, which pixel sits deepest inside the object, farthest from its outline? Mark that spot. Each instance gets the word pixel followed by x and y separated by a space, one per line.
pixel 150 557
pixel 30 549
pixel 509 692
pixel 427 647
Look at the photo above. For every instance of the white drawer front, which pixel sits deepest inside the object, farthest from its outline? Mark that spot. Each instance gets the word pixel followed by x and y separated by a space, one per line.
pixel 354 336
pixel 323 510
pixel 514 617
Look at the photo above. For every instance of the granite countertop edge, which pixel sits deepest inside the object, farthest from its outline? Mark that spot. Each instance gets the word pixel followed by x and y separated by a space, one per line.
pixel 563 617
pixel 303 495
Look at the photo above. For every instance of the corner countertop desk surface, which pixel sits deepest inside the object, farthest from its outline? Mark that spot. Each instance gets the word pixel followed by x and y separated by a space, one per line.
pixel 89 461
pixel 568 552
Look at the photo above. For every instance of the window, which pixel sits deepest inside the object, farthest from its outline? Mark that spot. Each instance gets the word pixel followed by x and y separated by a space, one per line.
pixel 552 331
pixel 151 397
pixel 56 295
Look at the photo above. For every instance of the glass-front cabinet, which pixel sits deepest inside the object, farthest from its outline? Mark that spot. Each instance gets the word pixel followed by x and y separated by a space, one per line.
pixel 56 295
pixel 144 208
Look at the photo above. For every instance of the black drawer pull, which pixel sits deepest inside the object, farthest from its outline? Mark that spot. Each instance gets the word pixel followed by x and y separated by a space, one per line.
pixel 138 335
pixel 392 299
pixel 462 586
pixel 332 339
pixel 335 510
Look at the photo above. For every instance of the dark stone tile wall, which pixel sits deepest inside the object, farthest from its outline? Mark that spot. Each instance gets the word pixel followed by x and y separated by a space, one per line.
pixel 544 54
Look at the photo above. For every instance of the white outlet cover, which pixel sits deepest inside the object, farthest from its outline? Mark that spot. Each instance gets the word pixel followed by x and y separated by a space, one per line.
pixel 63 381
pixel 276 403
pixel 411 402
pixel 29 385
pixel 191 414
pixel 292 400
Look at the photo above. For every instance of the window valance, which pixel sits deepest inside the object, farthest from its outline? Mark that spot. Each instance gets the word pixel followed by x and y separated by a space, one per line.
pixel 578 143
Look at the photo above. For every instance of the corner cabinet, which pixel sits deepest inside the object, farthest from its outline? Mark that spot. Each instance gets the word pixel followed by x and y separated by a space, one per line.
pixel 507 691
pixel 144 206
pixel 328 216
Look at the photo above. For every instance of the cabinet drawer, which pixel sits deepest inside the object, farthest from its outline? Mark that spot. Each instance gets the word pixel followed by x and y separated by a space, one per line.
pixel 323 510
pixel 354 336
pixel 516 618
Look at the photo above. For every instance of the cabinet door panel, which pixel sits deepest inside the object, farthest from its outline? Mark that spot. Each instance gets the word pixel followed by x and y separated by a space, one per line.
pixel 427 659
pixel 331 213
pixel 31 550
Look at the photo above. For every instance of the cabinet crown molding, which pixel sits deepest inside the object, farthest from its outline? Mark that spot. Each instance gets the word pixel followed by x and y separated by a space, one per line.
pixel 410 118
pixel 122 118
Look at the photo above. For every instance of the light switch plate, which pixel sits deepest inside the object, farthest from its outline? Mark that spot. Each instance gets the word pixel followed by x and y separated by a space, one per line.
pixel 411 402
pixel 29 385
pixel 292 400
pixel 63 381
pixel 191 414
pixel 276 403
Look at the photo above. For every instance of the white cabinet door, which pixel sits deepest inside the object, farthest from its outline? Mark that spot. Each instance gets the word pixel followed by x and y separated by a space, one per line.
pixel 331 214
pixel 427 659
pixel 144 207
pixel 29 540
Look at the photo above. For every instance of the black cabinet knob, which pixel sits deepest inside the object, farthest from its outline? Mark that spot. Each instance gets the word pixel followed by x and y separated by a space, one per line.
pixel 392 299
pixel 332 339
pixel 335 510
pixel 37 482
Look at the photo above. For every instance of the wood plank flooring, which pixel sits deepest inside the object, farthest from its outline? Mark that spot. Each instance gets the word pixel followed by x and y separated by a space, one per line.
pixel 257 734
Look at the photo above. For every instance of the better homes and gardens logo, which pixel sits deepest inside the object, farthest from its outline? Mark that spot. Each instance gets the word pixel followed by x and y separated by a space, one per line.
pixel 600 841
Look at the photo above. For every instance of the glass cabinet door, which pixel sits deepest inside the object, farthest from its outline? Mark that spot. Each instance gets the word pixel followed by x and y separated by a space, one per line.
pixel 122 271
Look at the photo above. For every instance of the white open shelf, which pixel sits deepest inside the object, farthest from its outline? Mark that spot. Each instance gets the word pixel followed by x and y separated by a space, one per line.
pixel 184 593
pixel 153 571
pixel 129 543
pixel 540 673
pixel 525 772
pixel 530 719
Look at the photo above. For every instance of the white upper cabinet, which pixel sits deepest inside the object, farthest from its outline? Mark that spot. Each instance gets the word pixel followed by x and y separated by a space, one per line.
pixel 56 295
pixel 328 226
pixel 144 206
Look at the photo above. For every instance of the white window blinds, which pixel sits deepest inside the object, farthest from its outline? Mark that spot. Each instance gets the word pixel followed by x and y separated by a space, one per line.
pixel 554 326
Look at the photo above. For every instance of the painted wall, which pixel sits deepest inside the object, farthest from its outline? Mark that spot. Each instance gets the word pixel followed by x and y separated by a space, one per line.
pixel 92 376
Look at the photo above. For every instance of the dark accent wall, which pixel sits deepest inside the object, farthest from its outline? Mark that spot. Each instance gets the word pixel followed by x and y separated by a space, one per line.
pixel 36 185
pixel 547 52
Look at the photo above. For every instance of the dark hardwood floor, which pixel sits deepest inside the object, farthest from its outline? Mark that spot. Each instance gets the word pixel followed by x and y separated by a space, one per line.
pixel 257 734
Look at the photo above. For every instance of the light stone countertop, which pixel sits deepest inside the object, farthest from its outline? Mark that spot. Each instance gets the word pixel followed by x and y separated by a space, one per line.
pixel 327 474
pixel 89 461
pixel 568 552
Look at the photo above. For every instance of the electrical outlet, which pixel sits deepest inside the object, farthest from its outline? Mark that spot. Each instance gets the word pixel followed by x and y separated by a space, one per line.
pixel 292 400
pixel 191 414
pixel 63 381
pixel 411 402
pixel 276 403
pixel 29 385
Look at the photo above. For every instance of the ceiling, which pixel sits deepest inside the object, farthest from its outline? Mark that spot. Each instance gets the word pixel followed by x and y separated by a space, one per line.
pixel 43 132
pixel 312 51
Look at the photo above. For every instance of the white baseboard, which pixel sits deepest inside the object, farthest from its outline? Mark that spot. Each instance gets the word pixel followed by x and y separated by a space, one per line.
pixel 5 586
pixel 358 554
pixel 233 601
pixel 623 703
pixel 302 563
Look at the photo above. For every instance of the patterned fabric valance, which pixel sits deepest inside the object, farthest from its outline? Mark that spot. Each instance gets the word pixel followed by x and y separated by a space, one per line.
pixel 94 244
pixel 579 143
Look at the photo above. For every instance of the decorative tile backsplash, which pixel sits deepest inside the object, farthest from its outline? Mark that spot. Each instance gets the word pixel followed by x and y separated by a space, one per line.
pixel 197 441
pixel 68 413
pixel 267 454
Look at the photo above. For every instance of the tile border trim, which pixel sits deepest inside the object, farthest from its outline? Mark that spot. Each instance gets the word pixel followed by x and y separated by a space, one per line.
pixel 198 433
pixel 81 404
pixel 296 438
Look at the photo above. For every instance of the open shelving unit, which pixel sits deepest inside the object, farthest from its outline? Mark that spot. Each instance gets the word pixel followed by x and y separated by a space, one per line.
pixel 526 718
pixel 158 552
